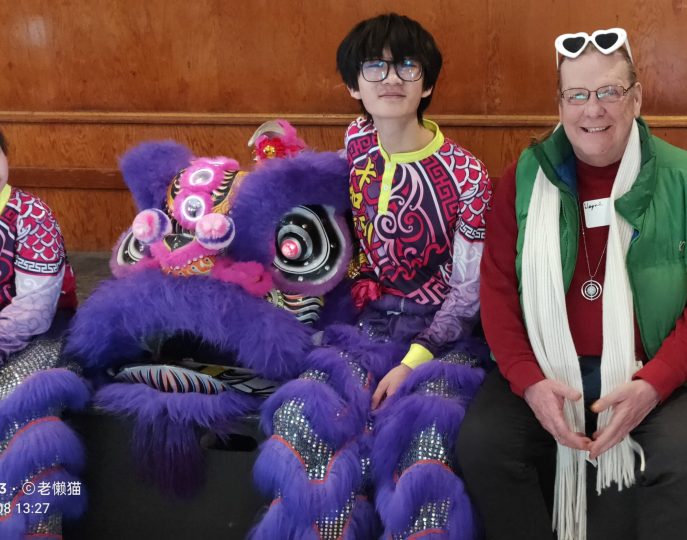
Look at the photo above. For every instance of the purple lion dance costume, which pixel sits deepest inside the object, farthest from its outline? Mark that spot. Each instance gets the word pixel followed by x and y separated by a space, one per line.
pixel 40 456
pixel 328 457
pixel 230 284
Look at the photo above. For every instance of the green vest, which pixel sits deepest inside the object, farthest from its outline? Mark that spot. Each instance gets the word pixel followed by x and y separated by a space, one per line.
pixel 656 207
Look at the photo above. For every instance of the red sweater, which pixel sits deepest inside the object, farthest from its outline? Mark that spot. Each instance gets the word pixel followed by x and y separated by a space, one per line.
pixel 500 302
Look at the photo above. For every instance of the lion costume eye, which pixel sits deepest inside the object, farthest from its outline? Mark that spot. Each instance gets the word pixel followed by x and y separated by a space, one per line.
pixel 193 208
pixel 309 245
pixel 201 177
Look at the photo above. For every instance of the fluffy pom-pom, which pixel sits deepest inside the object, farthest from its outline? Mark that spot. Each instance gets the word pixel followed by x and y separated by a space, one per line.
pixel 151 225
pixel 215 231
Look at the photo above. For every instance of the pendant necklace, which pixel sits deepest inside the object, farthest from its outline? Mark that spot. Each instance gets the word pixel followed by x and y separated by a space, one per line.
pixel 591 289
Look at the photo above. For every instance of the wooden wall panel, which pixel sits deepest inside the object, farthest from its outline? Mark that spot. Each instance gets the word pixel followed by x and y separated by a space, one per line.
pixel 83 81
pixel 90 220
pixel 264 56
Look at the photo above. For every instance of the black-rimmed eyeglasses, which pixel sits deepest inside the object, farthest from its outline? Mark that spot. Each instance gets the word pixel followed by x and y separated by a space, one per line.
pixel 376 70
pixel 606 94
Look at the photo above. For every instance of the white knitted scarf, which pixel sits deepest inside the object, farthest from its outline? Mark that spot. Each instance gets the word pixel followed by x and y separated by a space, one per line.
pixel 549 333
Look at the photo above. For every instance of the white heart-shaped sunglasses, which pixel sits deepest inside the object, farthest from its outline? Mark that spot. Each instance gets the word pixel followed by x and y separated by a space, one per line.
pixel 606 41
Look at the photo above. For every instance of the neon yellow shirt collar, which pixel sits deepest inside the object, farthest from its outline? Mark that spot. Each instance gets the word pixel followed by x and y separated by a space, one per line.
pixel 417 155
pixel 5 196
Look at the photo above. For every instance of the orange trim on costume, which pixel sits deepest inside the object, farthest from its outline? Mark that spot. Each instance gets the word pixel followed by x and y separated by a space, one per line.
pixel 424 462
pixel 30 425
pixel 425 533
pixel 300 458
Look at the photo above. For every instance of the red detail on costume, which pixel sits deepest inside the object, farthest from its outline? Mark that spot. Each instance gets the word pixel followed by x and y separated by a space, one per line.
pixel 68 299
pixel 27 427
pixel 284 145
pixel 42 240
pixel 410 247
pixel 365 291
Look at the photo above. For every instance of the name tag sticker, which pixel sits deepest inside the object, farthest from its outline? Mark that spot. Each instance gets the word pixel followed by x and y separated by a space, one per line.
pixel 597 212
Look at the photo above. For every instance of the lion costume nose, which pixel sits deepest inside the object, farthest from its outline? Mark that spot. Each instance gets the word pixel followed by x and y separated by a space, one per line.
pixel 215 231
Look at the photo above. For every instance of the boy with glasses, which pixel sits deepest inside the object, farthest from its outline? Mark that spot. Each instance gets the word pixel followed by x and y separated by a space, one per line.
pixel 418 198
pixel 418 204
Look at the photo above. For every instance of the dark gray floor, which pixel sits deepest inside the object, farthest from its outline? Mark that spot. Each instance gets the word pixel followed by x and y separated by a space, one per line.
pixel 90 268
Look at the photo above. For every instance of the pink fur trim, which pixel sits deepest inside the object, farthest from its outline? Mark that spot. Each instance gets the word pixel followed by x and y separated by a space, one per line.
pixel 179 257
pixel 249 275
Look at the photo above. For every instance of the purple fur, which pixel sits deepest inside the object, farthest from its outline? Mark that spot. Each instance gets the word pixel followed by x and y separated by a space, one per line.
pixel 147 404
pixel 120 314
pixel 376 357
pixel 347 384
pixel 15 525
pixel 363 522
pixel 338 307
pixel 39 447
pixel 462 379
pixel 278 469
pixel 323 408
pixel 419 485
pixel 149 168
pixel 168 426
pixel 41 392
pixel 405 414
pixel 279 523
pixel 276 187
pixel 395 427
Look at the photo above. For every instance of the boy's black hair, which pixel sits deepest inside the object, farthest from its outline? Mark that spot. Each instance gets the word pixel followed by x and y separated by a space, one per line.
pixel 404 37
pixel 3 143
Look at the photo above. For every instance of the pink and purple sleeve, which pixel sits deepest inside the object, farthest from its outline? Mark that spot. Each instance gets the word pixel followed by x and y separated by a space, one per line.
pixel 39 271
pixel 460 310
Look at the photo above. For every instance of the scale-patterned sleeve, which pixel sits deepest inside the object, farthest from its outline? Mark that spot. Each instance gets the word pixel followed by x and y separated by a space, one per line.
pixel 460 309
pixel 39 271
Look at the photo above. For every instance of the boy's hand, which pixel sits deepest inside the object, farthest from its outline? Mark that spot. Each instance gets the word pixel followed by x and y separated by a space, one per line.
pixel 390 383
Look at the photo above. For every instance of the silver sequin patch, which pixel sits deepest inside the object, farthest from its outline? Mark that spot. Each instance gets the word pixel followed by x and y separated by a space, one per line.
pixel 38 356
pixel 359 372
pixel 433 515
pixel 332 527
pixel 429 444
pixel 373 333
pixel 314 375
pixel 366 475
pixel 291 424
pixel 460 358
pixel 435 387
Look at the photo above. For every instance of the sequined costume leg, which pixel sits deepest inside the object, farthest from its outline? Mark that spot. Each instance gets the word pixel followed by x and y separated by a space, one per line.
pixel 315 463
pixel 418 492
pixel 40 456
